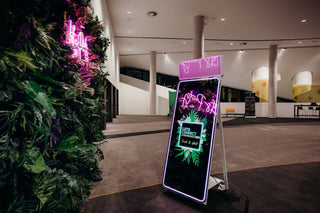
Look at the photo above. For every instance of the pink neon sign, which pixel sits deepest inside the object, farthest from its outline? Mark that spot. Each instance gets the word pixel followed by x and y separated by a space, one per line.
pixel 199 101
pixel 200 68
pixel 78 42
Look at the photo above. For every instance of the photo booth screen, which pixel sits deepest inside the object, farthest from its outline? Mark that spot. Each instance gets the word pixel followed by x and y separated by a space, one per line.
pixel 188 160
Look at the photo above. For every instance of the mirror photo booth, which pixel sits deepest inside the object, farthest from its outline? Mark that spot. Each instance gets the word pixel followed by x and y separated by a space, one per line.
pixel 191 140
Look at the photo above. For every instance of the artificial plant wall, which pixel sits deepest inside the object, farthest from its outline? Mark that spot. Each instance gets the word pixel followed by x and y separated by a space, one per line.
pixel 50 107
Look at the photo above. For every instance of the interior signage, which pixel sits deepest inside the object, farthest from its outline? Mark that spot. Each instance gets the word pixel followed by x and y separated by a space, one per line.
pixel 188 160
pixel 201 68
pixel 78 42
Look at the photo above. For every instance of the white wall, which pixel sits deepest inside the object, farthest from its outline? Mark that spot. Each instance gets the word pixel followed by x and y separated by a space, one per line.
pixel 133 100
pixel 284 110
pixel 134 97
pixel 112 64
pixel 237 67
pixel 238 107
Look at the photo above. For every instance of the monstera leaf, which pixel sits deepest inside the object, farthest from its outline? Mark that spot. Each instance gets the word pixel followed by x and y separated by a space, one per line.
pixel 39 95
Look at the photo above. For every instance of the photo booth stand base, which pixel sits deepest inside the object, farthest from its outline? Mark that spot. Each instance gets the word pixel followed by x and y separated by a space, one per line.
pixel 213 181
pixel 223 185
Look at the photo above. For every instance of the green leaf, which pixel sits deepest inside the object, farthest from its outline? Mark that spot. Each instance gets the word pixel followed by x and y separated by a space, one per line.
pixel 48 79
pixel 204 121
pixel 3 66
pixel 87 147
pixel 39 95
pixel 71 92
pixel 34 161
pixel 23 59
pixel 68 144
pixel 188 159
pixel 44 187
pixel 181 153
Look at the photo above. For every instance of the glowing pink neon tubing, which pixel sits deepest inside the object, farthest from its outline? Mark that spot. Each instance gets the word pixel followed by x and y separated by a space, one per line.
pixel 201 68
pixel 78 42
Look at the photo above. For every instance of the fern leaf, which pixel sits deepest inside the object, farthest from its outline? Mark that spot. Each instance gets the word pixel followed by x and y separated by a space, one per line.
pixel 22 58
pixel 181 153
pixel 3 67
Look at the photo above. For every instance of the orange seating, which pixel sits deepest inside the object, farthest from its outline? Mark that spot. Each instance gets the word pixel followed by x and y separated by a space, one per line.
pixel 230 109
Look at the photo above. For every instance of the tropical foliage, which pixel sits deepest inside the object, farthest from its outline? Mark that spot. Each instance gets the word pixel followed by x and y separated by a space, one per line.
pixel 49 112
pixel 189 154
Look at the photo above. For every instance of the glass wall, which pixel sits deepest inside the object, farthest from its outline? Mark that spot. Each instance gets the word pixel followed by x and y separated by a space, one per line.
pixel 228 94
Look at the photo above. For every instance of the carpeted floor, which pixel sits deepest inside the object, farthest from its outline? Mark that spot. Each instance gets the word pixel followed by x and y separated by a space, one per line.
pixel 284 121
pixel 287 188
pixel 135 152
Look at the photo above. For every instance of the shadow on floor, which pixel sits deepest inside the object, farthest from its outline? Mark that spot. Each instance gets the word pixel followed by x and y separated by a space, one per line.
pixel 286 188
pixel 286 121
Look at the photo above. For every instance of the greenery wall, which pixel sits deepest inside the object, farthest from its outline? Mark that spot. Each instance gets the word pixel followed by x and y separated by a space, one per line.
pixel 50 106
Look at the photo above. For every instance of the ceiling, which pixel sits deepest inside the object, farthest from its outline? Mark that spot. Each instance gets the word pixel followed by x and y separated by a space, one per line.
pixel 228 23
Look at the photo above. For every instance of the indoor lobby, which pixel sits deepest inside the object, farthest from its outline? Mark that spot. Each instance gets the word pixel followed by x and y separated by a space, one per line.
pixel 272 161
pixel 142 106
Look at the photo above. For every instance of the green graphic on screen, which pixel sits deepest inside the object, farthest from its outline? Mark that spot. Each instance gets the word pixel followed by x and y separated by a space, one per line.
pixel 191 135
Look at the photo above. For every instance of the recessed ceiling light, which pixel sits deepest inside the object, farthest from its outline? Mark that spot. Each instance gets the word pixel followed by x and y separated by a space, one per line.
pixel 299 42
pixel 152 13
pixel 231 43
pixel 184 42
pixel 129 12
pixel 222 19
pixel 304 20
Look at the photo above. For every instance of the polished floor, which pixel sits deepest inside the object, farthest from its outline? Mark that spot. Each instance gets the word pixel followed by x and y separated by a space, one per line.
pixel 135 152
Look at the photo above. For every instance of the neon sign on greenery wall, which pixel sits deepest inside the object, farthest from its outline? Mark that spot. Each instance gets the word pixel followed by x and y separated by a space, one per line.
pixel 78 42
pixel 80 45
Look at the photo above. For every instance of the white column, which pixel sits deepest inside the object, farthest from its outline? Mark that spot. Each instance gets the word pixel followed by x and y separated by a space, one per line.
pixel 272 108
pixel 198 37
pixel 153 83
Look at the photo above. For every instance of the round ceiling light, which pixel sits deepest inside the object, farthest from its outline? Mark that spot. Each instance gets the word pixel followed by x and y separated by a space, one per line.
pixel 152 13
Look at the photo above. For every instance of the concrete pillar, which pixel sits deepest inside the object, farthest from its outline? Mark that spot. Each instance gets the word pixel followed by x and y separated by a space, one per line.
pixel 272 108
pixel 198 37
pixel 153 83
